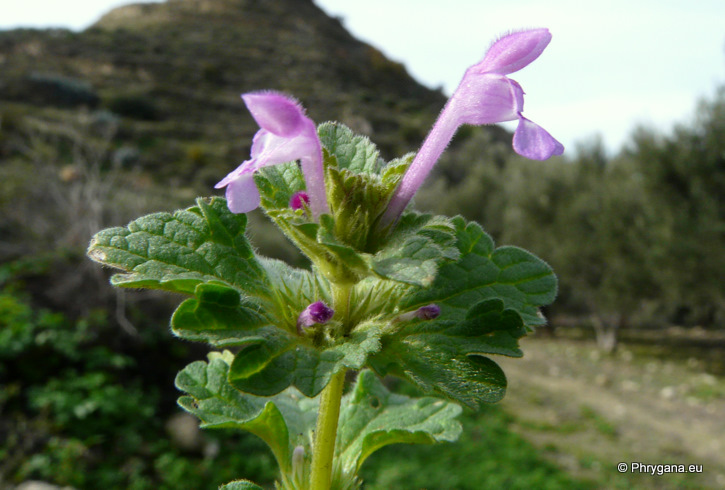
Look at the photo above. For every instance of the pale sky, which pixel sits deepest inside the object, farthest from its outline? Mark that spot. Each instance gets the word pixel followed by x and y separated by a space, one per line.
pixel 610 66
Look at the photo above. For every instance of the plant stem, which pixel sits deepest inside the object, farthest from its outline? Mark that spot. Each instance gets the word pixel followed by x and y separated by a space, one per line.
pixel 326 433
pixel 327 418
pixel 341 304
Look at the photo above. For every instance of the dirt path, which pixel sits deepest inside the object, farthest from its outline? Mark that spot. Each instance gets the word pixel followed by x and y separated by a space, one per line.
pixel 589 412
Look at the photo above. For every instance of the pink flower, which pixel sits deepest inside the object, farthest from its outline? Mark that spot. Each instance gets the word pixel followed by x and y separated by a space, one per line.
pixel 286 134
pixel 484 96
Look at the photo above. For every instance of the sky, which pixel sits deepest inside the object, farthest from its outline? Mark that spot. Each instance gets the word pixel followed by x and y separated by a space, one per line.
pixel 611 66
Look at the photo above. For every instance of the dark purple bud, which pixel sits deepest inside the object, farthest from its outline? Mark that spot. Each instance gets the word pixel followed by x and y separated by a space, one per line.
pixel 317 312
pixel 299 200
pixel 429 312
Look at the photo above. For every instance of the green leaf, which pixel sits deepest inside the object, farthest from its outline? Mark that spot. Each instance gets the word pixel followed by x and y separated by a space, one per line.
pixel 372 417
pixel 219 316
pixel 341 250
pixel 488 328
pixel 268 367
pixel 487 298
pixel 356 201
pixel 520 279
pixel 419 244
pixel 353 152
pixel 240 485
pixel 203 251
pixel 222 316
pixel 179 251
pixel 468 379
pixel 275 355
pixel 359 185
pixel 277 183
pixel 283 421
pixel 393 172
pixel 375 299
pixel 220 406
pixel 337 261
pixel 358 188
pixel 293 290
pixel 238 299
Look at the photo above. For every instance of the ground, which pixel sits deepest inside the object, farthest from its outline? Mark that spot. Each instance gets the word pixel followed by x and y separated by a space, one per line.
pixel 588 411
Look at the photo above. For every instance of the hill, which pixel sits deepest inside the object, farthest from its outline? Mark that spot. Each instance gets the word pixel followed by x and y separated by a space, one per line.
pixel 174 72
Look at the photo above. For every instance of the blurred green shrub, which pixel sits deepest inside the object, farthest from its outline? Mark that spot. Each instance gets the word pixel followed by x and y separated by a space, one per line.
pixel 77 410
pixel 134 106
pixel 488 455
pixel 53 90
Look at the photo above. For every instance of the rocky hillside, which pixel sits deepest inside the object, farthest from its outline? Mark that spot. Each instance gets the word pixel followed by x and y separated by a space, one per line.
pixel 173 73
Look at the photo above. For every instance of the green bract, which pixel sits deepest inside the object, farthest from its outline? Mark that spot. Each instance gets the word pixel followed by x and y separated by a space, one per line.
pixel 488 298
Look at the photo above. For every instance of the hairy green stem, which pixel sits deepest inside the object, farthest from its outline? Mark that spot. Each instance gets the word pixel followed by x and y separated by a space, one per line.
pixel 341 304
pixel 326 433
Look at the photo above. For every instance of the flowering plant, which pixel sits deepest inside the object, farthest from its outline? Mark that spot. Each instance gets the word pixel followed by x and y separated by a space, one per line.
pixel 391 291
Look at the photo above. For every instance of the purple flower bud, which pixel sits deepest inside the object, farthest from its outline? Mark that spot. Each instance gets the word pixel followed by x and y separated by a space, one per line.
pixel 317 312
pixel 428 312
pixel 298 457
pixel 286 134
pixel 484 96
pixel 299 200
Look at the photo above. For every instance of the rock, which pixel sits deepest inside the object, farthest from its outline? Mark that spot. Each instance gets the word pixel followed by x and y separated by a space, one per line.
pixel 668 392
pixel 39 485
pixel 184 431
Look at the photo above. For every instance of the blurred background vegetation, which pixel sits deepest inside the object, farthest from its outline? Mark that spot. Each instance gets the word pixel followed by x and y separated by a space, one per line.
pixel 141 113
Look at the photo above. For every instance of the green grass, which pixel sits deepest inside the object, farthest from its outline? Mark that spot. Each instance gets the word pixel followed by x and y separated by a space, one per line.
pixel 488 455
pixel 602 425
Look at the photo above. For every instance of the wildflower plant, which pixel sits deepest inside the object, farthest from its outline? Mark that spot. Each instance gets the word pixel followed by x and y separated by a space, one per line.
pixel 390 291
